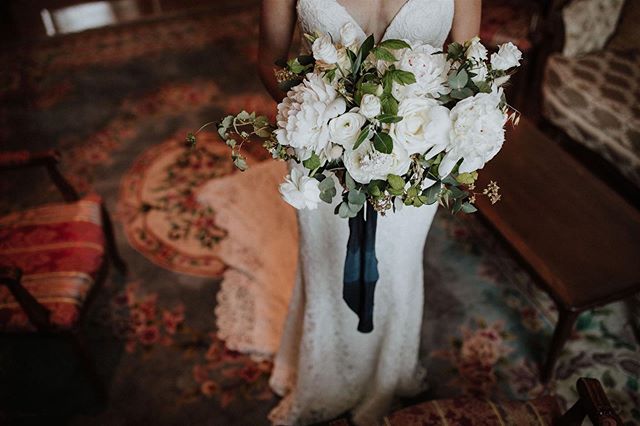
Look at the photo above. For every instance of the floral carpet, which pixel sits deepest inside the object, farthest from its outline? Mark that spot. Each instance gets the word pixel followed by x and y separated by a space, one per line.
pixel 117 103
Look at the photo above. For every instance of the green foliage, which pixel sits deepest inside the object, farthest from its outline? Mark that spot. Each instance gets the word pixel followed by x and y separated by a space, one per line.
pixel 383 54
pixel 362 136
pixel 388 118
pixel 382 142
pixel 327 189
pixel 458 80
pixel 394 44
pixel 312 162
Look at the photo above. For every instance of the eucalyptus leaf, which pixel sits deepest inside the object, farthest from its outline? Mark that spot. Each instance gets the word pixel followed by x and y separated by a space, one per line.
pixel 432 193
pixel 240 163
pixel 356 197
pixel 326 184
pixel 461 93
pixel 458 80
pixel 469 208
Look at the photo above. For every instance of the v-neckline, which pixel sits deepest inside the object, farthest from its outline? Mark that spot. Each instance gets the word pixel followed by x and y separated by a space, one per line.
pixel 389 25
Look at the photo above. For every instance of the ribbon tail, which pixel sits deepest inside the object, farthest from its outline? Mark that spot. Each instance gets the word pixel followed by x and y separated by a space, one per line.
pixel 361 268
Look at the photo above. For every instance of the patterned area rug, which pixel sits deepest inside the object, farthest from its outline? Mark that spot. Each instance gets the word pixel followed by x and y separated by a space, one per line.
pixel 117 103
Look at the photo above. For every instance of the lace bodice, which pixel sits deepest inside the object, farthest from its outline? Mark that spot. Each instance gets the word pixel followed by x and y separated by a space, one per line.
pixel 427 21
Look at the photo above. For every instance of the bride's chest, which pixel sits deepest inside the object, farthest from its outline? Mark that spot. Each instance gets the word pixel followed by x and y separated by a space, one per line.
pixel 427 21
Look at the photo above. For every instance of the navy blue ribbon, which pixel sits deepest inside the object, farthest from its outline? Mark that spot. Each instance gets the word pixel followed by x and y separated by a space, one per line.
pixel 361 267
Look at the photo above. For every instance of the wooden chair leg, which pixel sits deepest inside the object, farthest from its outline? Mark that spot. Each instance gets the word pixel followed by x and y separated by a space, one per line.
pixel 88 365
pixel 112 249
pixel 566 320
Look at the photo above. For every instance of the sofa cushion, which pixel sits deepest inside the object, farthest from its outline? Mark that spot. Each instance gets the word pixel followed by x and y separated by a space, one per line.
pixel 476 412
pixel 593 98
pixel 588 24
pixel 59 248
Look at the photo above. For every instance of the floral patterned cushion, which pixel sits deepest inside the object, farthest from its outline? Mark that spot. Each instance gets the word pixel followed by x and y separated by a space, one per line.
pixel 507 20
pixel 477 412
pixel 59 248
pixel 588 24
pixel 593 98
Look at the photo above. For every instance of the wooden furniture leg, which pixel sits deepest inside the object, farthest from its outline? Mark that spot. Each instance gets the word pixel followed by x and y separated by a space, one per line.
pixel 566 320
pixel 112 248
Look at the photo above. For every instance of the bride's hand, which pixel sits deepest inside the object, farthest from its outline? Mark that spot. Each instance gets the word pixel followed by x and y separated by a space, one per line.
pixel 277 23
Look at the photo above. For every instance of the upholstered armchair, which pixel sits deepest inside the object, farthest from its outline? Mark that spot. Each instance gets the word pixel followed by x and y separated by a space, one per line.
pixel 590 87
pixel 52 261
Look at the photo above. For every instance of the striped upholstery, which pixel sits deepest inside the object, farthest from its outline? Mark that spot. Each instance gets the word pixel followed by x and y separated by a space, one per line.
pixel 477 412
pixel 59 248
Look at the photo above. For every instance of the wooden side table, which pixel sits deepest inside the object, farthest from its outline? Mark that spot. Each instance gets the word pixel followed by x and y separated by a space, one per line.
pixel 581 240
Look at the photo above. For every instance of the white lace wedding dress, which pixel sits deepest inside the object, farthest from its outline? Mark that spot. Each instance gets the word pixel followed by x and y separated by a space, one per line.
pixel 324 367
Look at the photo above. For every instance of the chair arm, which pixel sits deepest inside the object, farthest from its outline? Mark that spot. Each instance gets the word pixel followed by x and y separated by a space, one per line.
pixel 20 159
pixel 37 314
pixel 49 159
pixel 596 404
pixel 593 403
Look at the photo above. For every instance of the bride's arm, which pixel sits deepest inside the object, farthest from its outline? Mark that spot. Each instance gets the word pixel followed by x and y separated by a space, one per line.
pixel 466 20
pixel 277 23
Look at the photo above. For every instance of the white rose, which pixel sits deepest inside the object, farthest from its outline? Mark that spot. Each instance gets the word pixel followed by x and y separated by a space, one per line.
pixel 344 62
pixel 366 163
pixel 324 51
pixel 300 191
pixel 333 152
pixel 345 128
pixel 508 56
pixel 349 34
pixel 477 132
pixel 480 71
pixel 425 126
pixel 370 105
pixel 476 50
pixel 429 68
pixel 303 116
pixel 500 81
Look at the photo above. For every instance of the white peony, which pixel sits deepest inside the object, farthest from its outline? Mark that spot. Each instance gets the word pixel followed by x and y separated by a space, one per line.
pixel 345 128
pixel 477 132
pixel 303 116
pixel 476 50
pixel 324 51
pixel 425 126
pixel 500 81
pixel 508 56
pixel 370 106
pixel 349 35
pixel 429 68
pixel 366 164
pixel 300 191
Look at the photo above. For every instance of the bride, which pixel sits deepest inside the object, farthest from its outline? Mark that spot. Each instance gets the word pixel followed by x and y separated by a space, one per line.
pixel 324 366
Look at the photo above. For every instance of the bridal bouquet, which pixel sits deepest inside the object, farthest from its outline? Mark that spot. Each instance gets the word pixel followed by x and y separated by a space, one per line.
pixel 391 124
